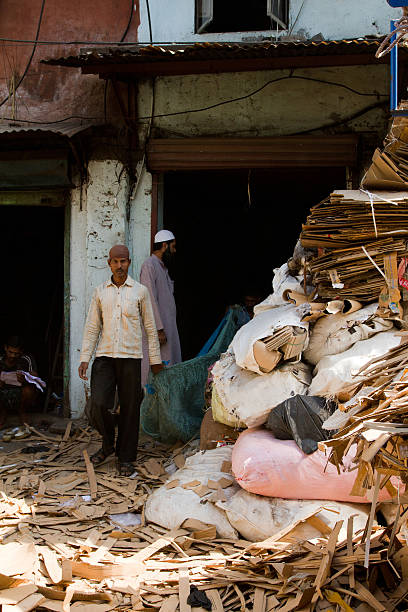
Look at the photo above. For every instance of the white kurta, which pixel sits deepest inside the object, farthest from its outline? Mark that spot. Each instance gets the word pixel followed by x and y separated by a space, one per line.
pixel 154 275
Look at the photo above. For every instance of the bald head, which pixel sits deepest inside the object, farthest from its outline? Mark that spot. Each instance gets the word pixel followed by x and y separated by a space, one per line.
pixel 119 251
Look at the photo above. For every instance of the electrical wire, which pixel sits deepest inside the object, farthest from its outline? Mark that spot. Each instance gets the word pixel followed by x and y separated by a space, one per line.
pixel 150 22
pixel 324 126
pixel 256 91
pixel 31 56
pixel 297 17
pixel 16 121
pixel 125 33
pixel 345 120
pixel 230 101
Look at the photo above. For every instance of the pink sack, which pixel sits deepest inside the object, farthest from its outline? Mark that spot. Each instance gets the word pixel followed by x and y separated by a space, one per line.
pixel 278 468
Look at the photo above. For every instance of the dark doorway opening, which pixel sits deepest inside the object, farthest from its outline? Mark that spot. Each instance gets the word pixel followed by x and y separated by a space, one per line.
pixel 32 252
pixel 233 228
pixel 239 16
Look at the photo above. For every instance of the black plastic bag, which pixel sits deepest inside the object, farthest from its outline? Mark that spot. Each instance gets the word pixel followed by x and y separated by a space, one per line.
pixel 300 418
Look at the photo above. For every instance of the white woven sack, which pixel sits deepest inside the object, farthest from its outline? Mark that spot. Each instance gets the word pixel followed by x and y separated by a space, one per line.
pixel 257 518
pixel 336 333
pixel 332 373
pixel 282 282
pixel 262 326
pixel 169 508
pixel 250 397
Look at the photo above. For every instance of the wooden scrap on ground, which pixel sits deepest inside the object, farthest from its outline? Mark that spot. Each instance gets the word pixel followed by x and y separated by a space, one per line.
pixel 88 561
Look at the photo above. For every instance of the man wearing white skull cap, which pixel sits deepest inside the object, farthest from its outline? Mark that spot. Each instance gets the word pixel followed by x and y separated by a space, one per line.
pixel 155 276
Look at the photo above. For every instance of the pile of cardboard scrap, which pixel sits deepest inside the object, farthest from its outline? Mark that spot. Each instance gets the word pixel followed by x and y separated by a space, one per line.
pixel 354 231
pixel 376 419
pixel 64 544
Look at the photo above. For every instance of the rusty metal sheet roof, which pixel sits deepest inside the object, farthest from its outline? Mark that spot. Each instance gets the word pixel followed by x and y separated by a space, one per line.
pixel 139 53
pixel 67 128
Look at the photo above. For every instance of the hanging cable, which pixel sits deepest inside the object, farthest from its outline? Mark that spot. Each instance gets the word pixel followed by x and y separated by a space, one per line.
pixel 150 22
pixel 32 54
pixel 297 17
pixel 125 33
pixel 256 91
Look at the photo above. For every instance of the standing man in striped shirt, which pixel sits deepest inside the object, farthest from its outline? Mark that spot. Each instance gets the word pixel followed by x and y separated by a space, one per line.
pixel 118 309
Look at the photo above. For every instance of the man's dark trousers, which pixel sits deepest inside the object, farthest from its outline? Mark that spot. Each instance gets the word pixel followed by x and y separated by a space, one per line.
pixel 107 374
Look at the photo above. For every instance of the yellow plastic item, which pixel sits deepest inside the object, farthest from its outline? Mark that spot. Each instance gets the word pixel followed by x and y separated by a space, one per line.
pixel 335 598
pixel 221 415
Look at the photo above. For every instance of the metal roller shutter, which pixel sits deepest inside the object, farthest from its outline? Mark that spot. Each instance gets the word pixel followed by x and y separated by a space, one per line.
pixel 168 154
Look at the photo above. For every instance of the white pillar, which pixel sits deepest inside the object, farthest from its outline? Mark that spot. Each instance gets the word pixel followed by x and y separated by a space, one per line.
pixel 94 230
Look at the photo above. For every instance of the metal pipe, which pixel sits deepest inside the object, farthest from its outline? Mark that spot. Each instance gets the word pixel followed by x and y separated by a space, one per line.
pixel 394 71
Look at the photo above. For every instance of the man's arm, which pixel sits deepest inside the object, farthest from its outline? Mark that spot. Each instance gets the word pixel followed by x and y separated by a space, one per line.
pixel 146 312
pixel 92 329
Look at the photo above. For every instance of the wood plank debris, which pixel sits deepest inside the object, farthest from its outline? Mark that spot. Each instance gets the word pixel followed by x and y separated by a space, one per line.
pixel 76 556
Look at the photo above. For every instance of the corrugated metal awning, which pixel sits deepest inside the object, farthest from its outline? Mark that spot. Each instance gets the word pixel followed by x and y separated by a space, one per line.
pixel 168 154
pixel 67 128
pixel 205 57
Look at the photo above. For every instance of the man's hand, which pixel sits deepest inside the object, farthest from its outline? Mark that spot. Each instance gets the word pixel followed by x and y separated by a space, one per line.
pixel 21 378
pixel 157 367
pixel 83 366
pixel 162 336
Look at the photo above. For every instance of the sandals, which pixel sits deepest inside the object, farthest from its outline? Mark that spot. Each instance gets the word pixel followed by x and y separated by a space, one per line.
pixel 99 457
pixel 126 468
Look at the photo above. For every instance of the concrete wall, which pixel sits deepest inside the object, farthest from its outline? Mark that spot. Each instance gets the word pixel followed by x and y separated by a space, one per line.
pixel 335 19
pixel 50 93
pixel 276 108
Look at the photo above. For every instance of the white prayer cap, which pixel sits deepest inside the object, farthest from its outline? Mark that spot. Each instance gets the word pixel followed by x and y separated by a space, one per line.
pixel 164 236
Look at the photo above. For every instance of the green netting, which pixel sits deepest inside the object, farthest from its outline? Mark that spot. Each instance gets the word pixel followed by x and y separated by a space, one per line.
pixel 172 408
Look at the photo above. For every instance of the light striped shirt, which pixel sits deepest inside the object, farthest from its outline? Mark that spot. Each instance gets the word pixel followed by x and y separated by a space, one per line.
pixel 114 321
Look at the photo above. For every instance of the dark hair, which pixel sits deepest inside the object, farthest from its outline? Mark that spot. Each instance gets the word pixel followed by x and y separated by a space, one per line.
pixel 158 245
pixel 15 342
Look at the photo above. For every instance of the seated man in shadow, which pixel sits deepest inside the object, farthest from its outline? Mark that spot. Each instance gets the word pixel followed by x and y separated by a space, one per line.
pixel 15 392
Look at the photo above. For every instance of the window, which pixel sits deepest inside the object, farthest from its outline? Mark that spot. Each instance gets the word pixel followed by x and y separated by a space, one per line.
pixel 241 15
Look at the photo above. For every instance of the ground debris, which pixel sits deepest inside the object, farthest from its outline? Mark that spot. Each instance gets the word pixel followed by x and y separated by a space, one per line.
pixel 61 549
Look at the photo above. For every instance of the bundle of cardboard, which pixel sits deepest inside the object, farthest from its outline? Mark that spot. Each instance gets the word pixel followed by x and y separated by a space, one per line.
pixel 361 240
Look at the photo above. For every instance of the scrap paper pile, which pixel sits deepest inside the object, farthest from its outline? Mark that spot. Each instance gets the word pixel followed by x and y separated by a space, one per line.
pixel 355 232
pixel 375 418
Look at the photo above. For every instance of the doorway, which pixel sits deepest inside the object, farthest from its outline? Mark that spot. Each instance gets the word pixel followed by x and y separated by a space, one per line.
pixel 233 228
pixel 32 252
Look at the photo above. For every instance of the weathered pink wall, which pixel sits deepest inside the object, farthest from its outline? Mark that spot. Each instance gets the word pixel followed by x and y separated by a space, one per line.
pixel 49 93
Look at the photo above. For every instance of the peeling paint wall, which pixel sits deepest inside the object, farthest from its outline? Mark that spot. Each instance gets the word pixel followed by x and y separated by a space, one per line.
pixel 334 19
pixel 50 93
pixel 102 222
pixel 94 230
pixel 139 222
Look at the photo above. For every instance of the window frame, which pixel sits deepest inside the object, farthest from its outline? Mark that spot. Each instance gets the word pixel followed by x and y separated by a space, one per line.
pixel 275 10
pixel 206 16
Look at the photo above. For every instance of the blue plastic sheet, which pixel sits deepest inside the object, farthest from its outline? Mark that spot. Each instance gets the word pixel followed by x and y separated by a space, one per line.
pixel 172 408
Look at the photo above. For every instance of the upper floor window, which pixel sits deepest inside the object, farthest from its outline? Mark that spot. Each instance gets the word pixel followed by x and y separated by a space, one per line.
pixel 241 15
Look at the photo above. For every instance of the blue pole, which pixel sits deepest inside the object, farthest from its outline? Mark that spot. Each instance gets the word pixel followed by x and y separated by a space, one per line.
pixel 394 72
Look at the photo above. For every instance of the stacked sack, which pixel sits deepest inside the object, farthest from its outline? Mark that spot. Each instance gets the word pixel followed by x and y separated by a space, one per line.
pixel 274 396
pixel 282 378
pixel 263 364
